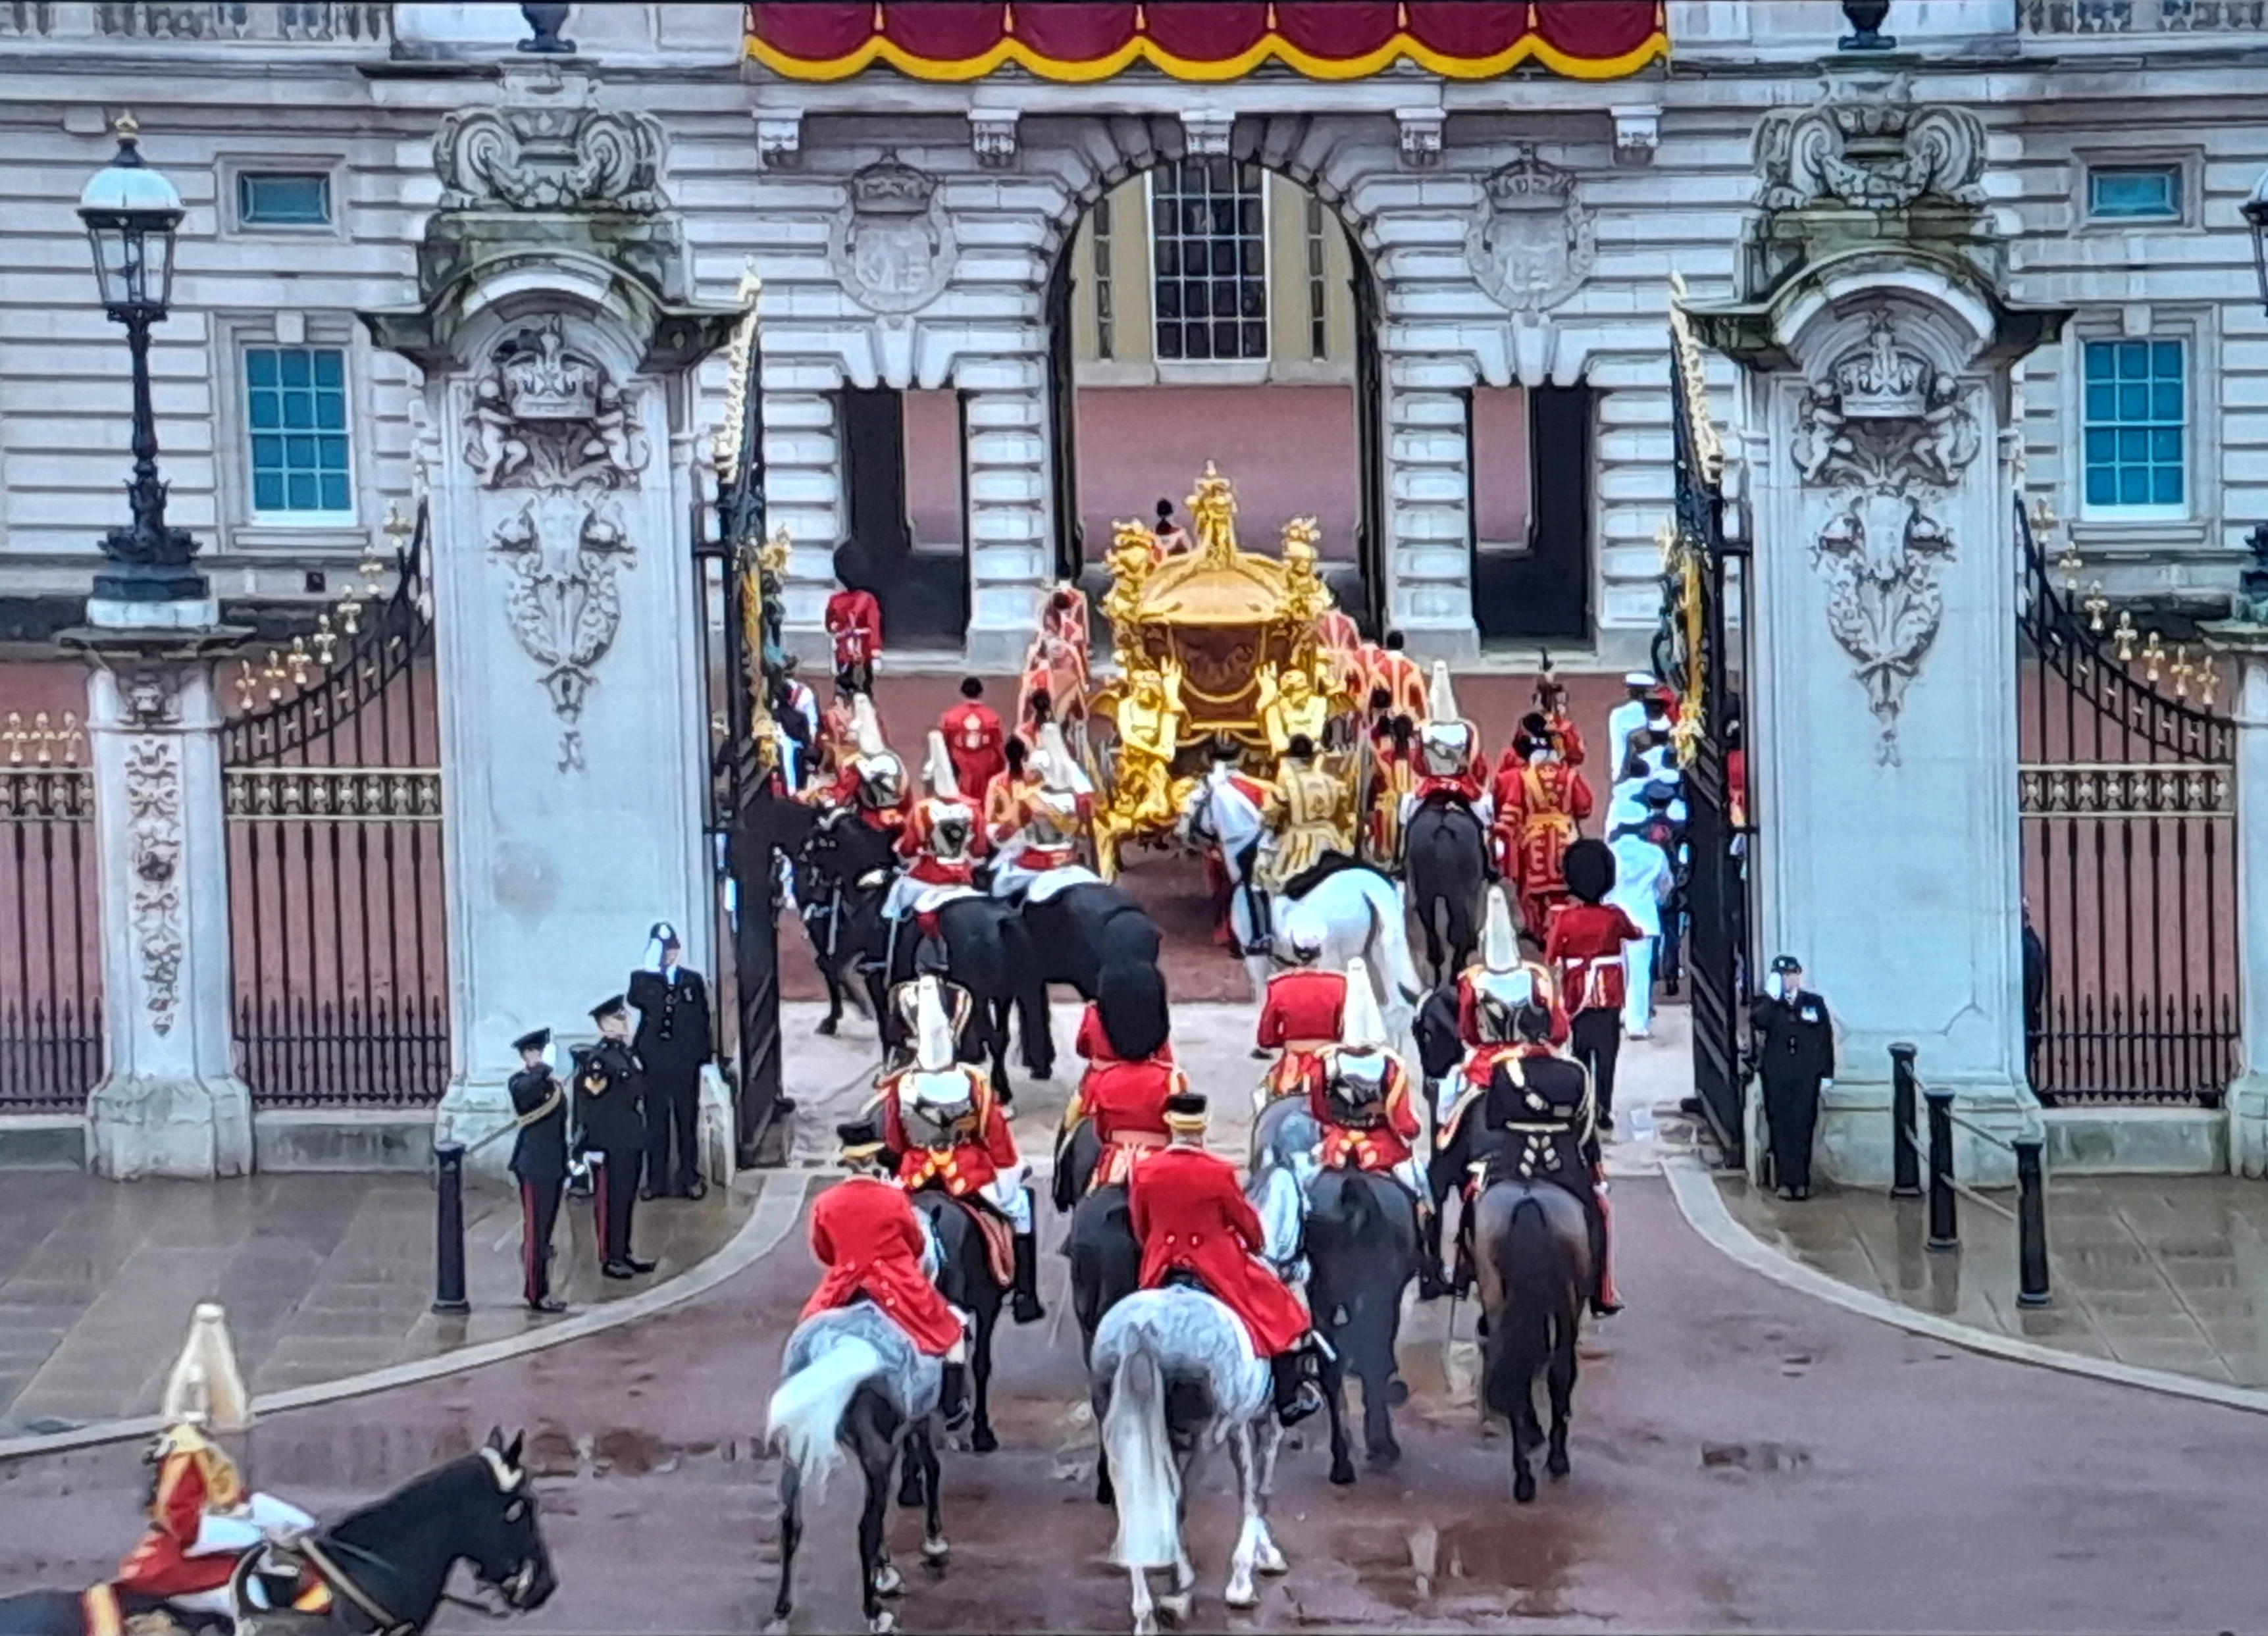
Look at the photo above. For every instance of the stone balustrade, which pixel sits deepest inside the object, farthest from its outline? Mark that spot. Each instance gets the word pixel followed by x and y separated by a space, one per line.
pixel 2083 18
pixel 359 27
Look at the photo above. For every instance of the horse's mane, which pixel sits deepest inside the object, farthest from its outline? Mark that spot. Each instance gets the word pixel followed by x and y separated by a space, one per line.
pixel 408 1504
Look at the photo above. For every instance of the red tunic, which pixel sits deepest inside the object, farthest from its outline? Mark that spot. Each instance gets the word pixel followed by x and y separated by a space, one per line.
pixel 1584 946
pixel 1467 786
pixel 1125 1101
pixel 865 1233
pixel 1299 1016
pixel 1379 1147
pixel 1189 1213
pixel 844 792
pixel 854 619
pixel 1538 809
pixel 973 738
pixel 160 1564
pixel 1403 680
pixel 915 843
pixel 1094 1041
pixel 970 1164
pixel 1468 1015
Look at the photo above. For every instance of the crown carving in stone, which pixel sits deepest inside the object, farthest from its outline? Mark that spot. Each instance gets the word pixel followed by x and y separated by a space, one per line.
pixel 547 154
pixel 889 188
pixel 1880 382
pixel 1869 145
pixel 542 380
pixel 1529 184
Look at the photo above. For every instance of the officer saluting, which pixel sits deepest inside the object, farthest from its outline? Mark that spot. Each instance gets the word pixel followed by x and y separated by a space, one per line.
pixel 608 1086
pixel 1795 1046
pixel 673 1044
pixel 539 1163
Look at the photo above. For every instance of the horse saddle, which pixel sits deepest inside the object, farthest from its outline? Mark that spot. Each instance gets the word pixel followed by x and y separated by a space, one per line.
pixel 998 1231
pixel 1185 1277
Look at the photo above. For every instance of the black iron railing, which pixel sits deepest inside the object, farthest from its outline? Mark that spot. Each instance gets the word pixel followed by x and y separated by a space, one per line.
pixel 51 1047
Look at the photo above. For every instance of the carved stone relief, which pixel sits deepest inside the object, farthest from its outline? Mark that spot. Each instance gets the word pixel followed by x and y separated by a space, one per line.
pixel 550 157
pixel 1869 146
pixel 153 806
pixel 892 244
pixel 1533 243
pixel 550 420
pixel 1887 436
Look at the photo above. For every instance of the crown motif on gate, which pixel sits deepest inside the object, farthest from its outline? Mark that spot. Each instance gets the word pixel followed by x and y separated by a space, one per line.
pixel 1880 382
pixel 888 187
pixel 1528 183
pixel 543 380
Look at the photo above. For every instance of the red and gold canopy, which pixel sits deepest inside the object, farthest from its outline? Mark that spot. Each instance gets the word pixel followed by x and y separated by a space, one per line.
pixel 1079 42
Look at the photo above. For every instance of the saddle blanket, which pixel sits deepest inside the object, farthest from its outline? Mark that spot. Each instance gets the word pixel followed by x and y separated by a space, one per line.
pixel 1056 881
pixel 999 1238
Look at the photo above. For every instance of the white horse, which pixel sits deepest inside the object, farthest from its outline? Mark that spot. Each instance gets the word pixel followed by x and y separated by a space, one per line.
pixel 1150 1343
pixel 1353 912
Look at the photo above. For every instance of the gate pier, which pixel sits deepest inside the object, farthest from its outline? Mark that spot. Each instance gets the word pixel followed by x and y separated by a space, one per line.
pixel 555 335
pixel 2246 639
pixel 1877 343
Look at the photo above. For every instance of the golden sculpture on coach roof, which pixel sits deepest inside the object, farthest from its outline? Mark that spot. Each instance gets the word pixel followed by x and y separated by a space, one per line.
pixel 1217 641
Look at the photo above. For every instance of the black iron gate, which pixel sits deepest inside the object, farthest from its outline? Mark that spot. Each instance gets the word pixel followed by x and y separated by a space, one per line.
pixel 1694 652
pixel 2126 782
pixel 337 910
pixel 50 933
pixel 1374 614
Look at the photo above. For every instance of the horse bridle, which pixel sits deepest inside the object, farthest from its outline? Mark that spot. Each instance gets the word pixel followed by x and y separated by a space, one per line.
pixel 337 1579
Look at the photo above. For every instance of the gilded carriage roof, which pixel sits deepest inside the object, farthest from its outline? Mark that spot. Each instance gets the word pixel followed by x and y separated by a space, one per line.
pixel 1217 584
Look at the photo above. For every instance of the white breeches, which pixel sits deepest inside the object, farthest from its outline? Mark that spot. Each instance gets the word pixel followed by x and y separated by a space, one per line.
pixel 1638 996
pixel 1411 1173
pixel 1007 1191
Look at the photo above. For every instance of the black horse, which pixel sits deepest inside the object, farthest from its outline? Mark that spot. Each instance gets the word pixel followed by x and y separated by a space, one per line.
pixel 1361 1234
pixel 1532 1244
pixel 1445 860
pixel 394 1557
pixel 1106 1267
pixel 1089 935
pixel 966 1278
pixel 1440 1052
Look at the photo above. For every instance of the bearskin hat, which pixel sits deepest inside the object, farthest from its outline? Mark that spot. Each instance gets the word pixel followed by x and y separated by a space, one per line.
pixel 1590 868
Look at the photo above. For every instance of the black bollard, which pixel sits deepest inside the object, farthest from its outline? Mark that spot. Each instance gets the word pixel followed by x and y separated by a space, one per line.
pixel 2031 1225
pixel 1944 1226
pixel 449 1231
pixel 1905 1163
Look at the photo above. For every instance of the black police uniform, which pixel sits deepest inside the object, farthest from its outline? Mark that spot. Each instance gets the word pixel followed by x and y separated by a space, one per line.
pixel 673 1042
pixel 539 1163
pixel 608 1090
pixel 1794 1046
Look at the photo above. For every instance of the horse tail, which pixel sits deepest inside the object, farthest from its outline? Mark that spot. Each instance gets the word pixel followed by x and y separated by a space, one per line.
pixel 1521 1335
pixel 1028 987
pixel 805 1420
pixel 1143 1469
pixel 1388 947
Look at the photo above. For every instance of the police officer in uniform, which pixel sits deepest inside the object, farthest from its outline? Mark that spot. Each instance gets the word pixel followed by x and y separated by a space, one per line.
pixel 673 1042
pixel 538 1163
pixel 608 1087
pixel 1794 1046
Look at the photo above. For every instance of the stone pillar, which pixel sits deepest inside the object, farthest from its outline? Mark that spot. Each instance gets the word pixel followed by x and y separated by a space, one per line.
pixel 170 1103
pixel 2246 1100
pixel 1882 712
pixel 802 494
pixel 555 341
pixel 1428 559
pixel 1008 500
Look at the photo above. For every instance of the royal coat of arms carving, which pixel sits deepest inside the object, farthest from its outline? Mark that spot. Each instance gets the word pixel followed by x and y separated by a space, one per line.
pixel 892 245
pixel 1534 241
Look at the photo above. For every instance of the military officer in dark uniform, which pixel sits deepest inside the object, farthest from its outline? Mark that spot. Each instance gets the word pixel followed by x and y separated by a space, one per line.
pixel 538 1163
pixel 1795 1050
pixel 673 1041
pixel 609 1083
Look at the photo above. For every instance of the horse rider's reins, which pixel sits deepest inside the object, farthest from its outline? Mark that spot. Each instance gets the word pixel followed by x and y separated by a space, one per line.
pixel 337 1579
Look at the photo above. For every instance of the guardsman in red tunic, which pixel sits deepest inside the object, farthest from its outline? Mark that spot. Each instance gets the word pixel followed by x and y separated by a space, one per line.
pixel 1584 946
pixel 202 1519
pixel 1192 1218
pixel 1451 765
pixel 1300 1017
pixel 872 780
pixel 1125 1101
pixel 1502 971
pixel 1392 668
pixel 1540 802
pixel 1552 704
pixel 854 619
pixel 941 1118
pixel 1360 1092
pixel 974 738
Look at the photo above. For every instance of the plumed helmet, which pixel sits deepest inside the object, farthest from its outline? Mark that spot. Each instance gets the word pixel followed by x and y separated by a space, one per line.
pixel 1499 996
pixel 1361 1028
pixel 205 1387
pixel 1441 695
pixel 938 768
pixel 865 727
pixel 1056 769
pixel 934 1048
pixel 1590 868
pixel 1499 947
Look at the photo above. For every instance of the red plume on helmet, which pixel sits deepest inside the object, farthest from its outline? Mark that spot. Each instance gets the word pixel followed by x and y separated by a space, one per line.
pixel 1590 868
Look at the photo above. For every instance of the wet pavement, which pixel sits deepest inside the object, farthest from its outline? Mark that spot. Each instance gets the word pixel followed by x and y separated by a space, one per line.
pixel 2159 1273
pixel 323 1276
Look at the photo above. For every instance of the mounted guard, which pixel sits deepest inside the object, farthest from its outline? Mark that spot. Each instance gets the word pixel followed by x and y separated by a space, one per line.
pixel 872 782
pixel 1501 973
pixel 1451 765
pixel 1360 1094
pixel 1044 820
pixel 1300 1018
pixel 941 1118
pixel 1125 1100
pixel 940 841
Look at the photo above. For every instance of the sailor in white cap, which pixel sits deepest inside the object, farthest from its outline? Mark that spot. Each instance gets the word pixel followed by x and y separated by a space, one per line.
pixel 1629 718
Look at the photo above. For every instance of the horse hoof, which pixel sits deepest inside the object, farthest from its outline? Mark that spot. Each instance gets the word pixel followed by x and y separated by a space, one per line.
pixel 1241 1597
pixel 890 1582
pixel 1174 1608
pixel 982 1440
pixel 1343 1474
pixel 1386 1456
pixel 1269 1560
pixel 936 1550
pixel 883 1623
pixel 1523 1487
pixel 825 1025
pixel 1557 1464
pixel 1397 1392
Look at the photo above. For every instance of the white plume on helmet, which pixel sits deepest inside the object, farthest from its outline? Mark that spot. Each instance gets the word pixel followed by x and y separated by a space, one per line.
pixel 866 727
pixel 1499 947
pixel 1441 695
pixel 1056 769
pixel 1361 1028
pixel 205 1387
pixel 933 1043
pixel 939 769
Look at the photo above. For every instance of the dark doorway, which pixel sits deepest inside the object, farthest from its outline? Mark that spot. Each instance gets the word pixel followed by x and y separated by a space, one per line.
pixel 1368 605
pixel 1063 425
pixel 923 585
pixel 1541 590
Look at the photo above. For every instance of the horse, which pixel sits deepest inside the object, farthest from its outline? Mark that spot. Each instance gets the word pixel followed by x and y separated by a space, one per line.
pixel 394 1557
pixel 1346 909
pixel 1357 1233
pixel 1173 1372
pixel 1440 1050
pixel 966 1278
pixel 1086 932
pixel 852 1379
pixel 1445 860
pixel 1532 1246
pixel 1105 1257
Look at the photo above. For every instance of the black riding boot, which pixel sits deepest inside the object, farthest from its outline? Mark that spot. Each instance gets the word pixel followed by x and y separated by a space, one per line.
pixel 1025 1306
pixel 953 1397
pixel 1297 1395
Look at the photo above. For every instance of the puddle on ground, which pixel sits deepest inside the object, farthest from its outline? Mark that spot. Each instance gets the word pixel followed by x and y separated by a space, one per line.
pixel 1760 1458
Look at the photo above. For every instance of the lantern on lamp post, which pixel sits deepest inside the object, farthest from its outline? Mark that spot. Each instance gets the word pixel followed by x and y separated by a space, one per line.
pixel 132 214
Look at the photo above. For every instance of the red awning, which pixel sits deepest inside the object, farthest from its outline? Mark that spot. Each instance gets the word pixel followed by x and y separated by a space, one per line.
pixel 1083 40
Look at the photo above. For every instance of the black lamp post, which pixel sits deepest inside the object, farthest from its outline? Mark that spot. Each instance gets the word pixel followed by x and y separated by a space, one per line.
pixel 2255 215
pixel 131 214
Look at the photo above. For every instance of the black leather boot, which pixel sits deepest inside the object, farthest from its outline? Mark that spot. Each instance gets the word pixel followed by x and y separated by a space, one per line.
pixel 952 1405
pixel 1026 1305
pixel 1297 1395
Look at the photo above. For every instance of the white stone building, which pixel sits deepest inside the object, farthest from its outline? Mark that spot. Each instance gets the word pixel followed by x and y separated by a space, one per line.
pixel 1521 231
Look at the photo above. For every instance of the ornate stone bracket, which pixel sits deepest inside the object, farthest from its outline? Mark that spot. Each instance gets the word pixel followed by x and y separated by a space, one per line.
pixel 550 156
pixel 1206 132
pixel 992 133
pixel 779 141
pixel 1419 130
pixel 1637 133
pixel 1869 146
pixel 1887 438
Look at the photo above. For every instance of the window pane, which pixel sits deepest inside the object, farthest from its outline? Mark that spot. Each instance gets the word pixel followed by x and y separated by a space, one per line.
pixel 2142 192
pixel 302 489
pixel 334 491
pixel 284 199
pixel 2133 485
pixel 260 366
pixel 2133 445
pixel 2102 400
pixel 298 410
pixel 1169 299
pixel 2166 360
pixel 2102 486
pixel 329 367
pixel 2166 402
pixel 267 414
pixel 268 491
pixel 2134 400
pixel 2166 486
pixel 2101 446
pixel 292 366
pixel 2166 446
pixel 1169 341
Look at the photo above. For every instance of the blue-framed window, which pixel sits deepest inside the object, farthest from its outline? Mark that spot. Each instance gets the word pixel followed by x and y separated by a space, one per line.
pixel 2137 425
pixel 2134 193
pixel 283 199
pixel 295 410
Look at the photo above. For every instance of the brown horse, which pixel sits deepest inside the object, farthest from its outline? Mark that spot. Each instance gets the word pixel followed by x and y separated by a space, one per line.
pixel 1532 1248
